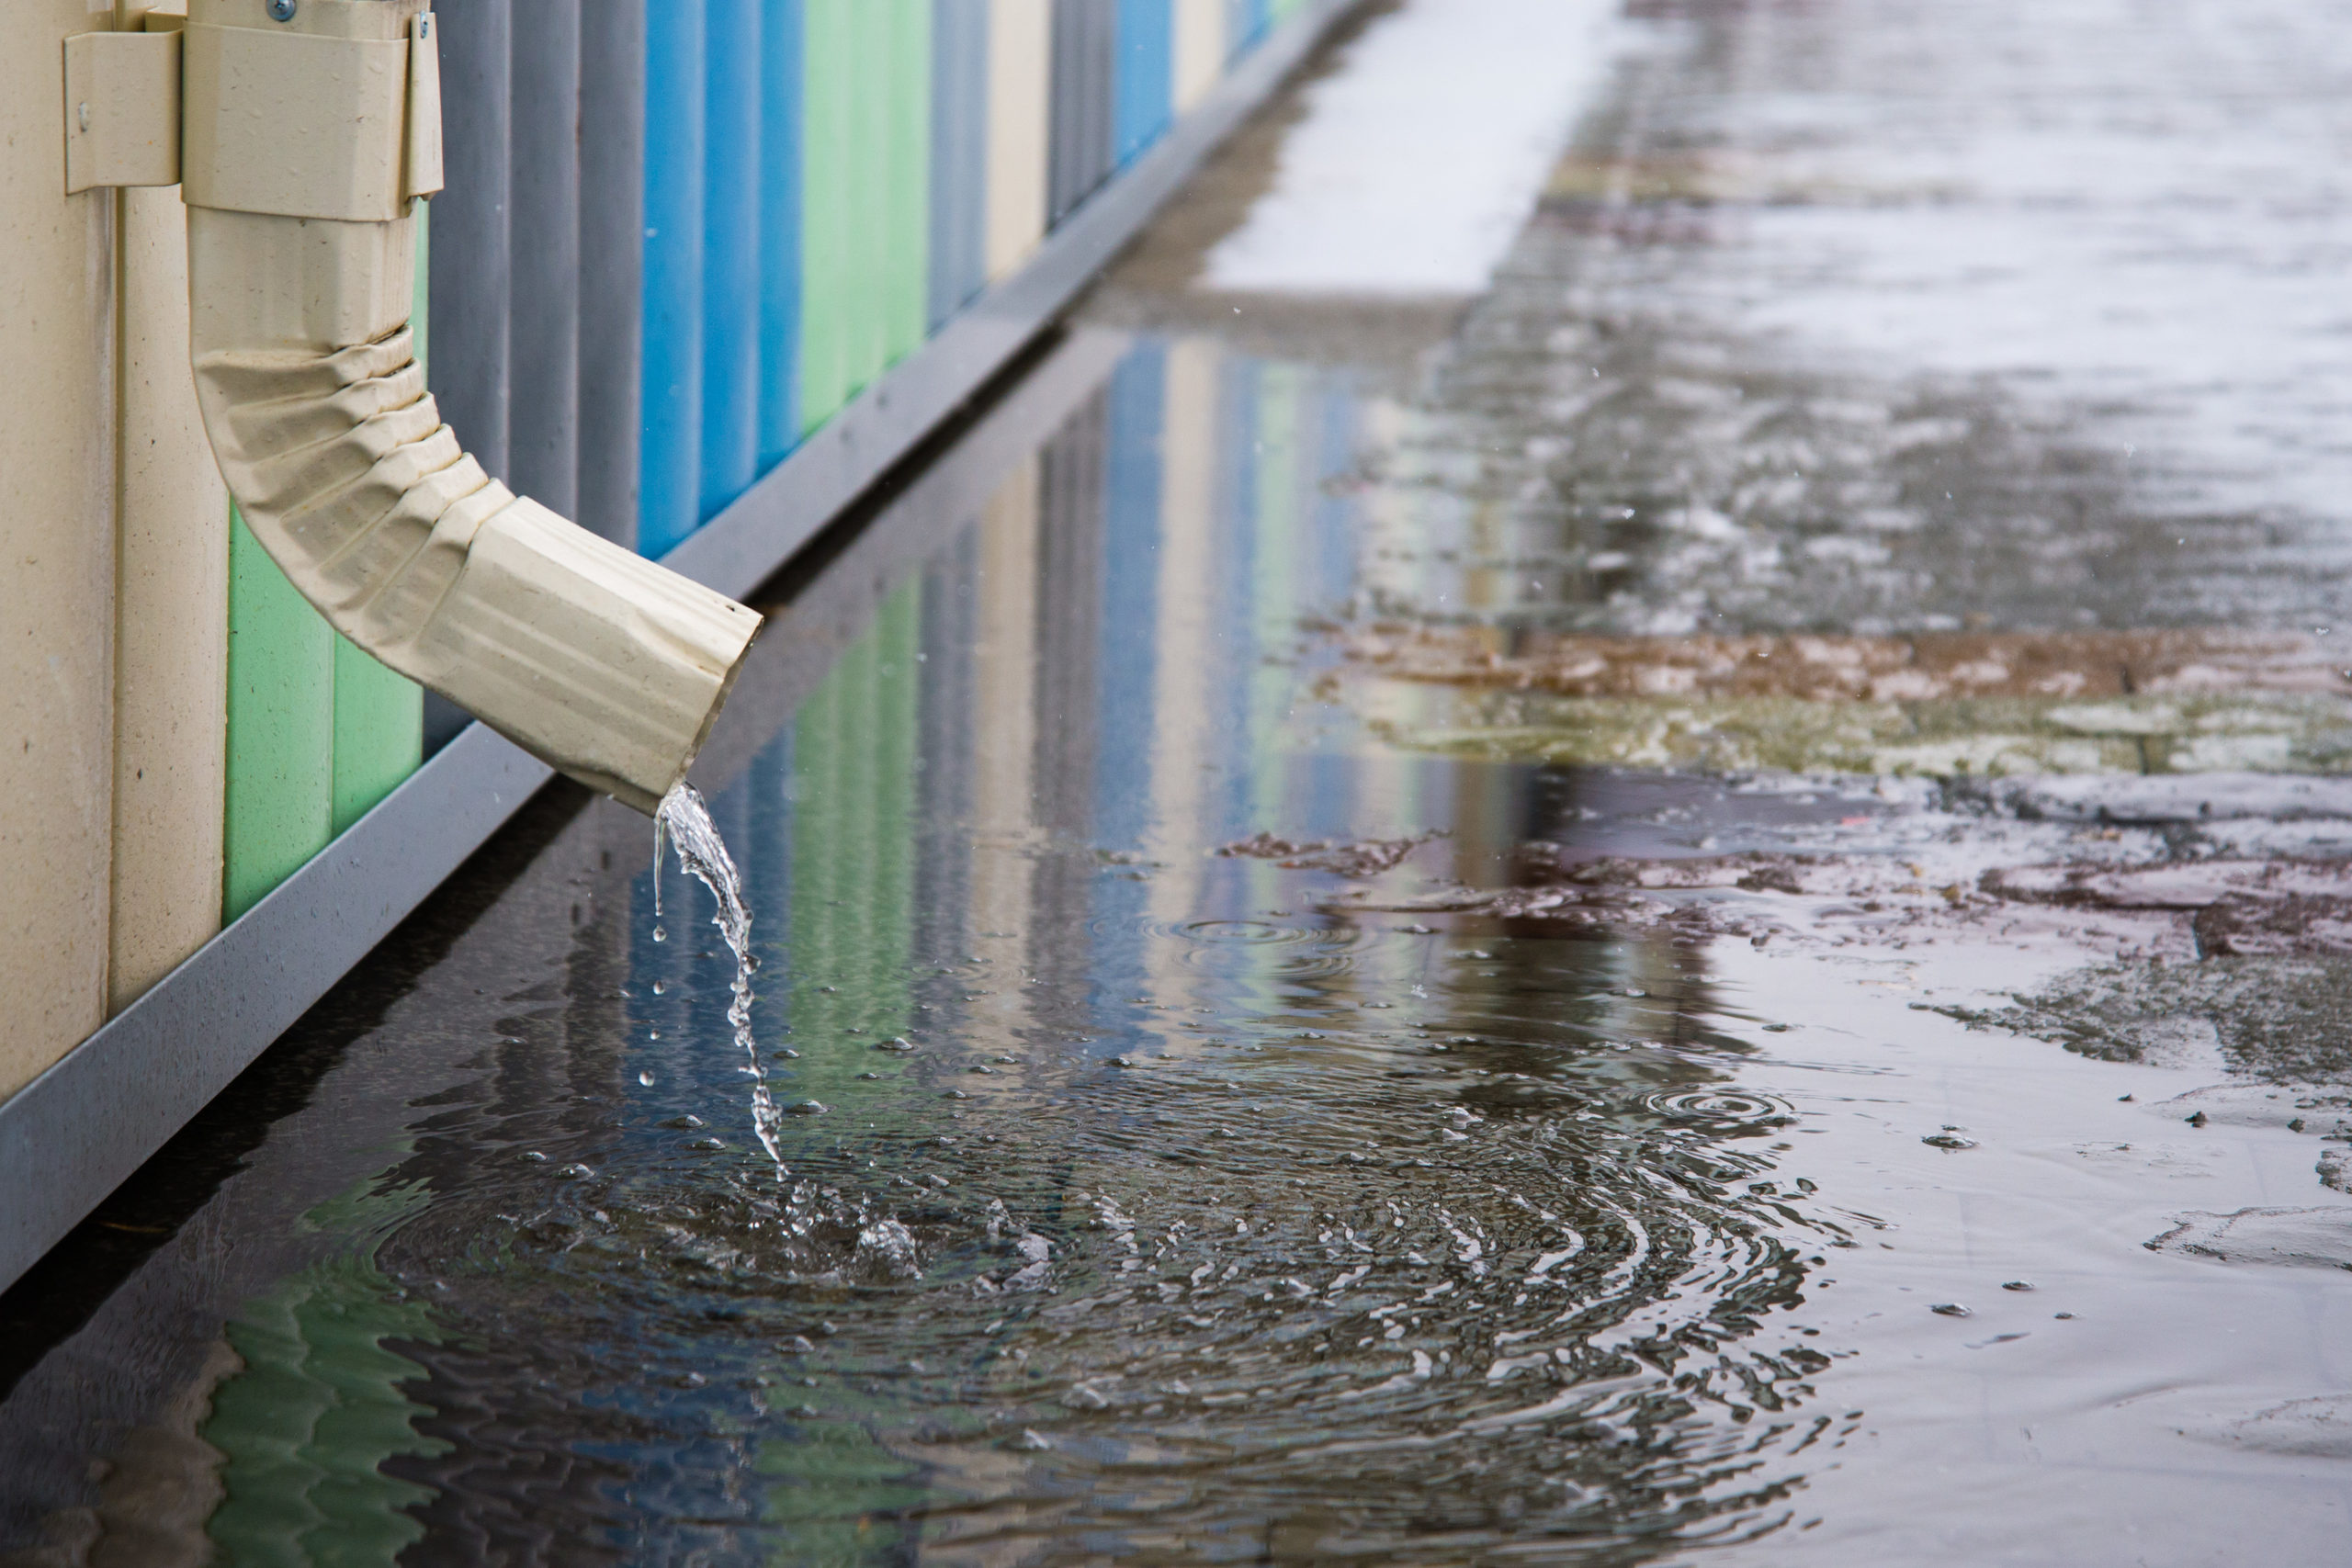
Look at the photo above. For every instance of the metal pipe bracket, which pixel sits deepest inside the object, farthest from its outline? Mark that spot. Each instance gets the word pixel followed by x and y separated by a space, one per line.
pixel 262 119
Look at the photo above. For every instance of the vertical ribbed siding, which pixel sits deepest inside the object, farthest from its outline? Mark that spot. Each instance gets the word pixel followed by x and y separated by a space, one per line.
pixel 829 97
pixel 1019 88
pixel 612 264
pixel 906 234
pixel 669 470
pixel 379 732
pixel 782 67
pixel 731 256
pixel 869 197
pixel 280 784
pixel 1144 92
pixel 471 266
pixel 543 429
pixel 1085 43
pixel 959 121
pixel 473 234
pixel 1198 48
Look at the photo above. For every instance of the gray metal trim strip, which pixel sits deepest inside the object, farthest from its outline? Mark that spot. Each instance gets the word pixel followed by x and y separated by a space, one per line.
pixel 77 1131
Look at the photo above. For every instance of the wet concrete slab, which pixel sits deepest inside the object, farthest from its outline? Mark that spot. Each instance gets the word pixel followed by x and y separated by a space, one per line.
pixel 1691 904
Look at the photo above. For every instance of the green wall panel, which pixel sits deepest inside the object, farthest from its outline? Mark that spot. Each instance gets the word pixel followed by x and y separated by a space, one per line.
pixel 281 728
pixel 870 152
pixel 906 255
pixel 318 731
pixel 378 731
pixel 827 258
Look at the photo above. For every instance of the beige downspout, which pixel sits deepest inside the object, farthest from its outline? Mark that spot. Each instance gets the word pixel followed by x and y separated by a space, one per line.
pixel 307 141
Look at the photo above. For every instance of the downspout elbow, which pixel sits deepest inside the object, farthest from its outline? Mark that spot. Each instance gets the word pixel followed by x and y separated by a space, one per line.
pixel 607 666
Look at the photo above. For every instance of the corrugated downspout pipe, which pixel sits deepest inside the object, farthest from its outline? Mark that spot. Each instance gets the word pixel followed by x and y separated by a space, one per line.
pixel 301 259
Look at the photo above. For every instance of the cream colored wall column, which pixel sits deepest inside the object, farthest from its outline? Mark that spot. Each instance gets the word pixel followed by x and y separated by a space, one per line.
pixel 57 524
pixel 1200 49
pixel 171 618
pixel 1021 52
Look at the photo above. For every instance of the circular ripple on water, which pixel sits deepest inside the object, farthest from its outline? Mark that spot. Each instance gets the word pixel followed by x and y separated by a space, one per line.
pixel 1262 947
pixel 1718 1111
pixel 1193 1296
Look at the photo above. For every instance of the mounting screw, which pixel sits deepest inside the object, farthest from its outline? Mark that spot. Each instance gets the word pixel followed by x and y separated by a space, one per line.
pixel 281 10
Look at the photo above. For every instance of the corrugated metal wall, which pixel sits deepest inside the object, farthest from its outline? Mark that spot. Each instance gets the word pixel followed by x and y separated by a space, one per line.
pixel 959 149
pixel 678 236
pixel 1085 63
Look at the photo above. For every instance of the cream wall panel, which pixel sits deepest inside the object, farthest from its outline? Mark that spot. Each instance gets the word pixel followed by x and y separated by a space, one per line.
pixel 57 522
pixel 1200 49
pixel 171 621
pixel 1020 49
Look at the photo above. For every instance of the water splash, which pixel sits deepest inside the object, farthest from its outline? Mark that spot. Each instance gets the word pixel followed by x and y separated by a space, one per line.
pixel 683 822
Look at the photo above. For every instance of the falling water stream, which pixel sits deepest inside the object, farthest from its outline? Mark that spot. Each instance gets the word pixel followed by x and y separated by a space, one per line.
pixel 683 820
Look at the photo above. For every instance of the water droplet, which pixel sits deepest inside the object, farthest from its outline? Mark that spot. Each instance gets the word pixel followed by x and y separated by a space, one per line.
pixel 1948 1141
pixel 806 1108
pixel 535 1157
pixel 896 1043
pixel 646 1079
pixel 661 933
pixel 1951 1309
pixel 2017 1285
pixel 1031 1442
pixel 660 987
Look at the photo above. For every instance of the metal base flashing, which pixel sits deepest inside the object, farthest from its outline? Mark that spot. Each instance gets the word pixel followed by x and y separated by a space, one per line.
pixel 77 1131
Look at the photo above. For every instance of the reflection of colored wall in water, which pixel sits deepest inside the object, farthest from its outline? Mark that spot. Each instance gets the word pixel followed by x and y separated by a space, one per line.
pixel 852 850
pixel 309 1426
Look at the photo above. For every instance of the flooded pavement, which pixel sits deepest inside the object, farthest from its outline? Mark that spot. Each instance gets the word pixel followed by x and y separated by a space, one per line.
pixel 1694 907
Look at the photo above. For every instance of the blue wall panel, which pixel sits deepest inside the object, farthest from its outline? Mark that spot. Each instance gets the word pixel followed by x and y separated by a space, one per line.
pixel 730 260
pixel 1245 24
pixel 783 57
pixel 670 481
pixel 1143 98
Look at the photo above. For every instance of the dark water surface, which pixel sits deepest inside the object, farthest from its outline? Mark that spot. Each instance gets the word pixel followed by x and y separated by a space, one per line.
pixel 1246 1099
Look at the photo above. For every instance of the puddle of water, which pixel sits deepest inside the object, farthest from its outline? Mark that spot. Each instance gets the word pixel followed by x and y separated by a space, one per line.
pixel 1295 1087
pixel 1247 1139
